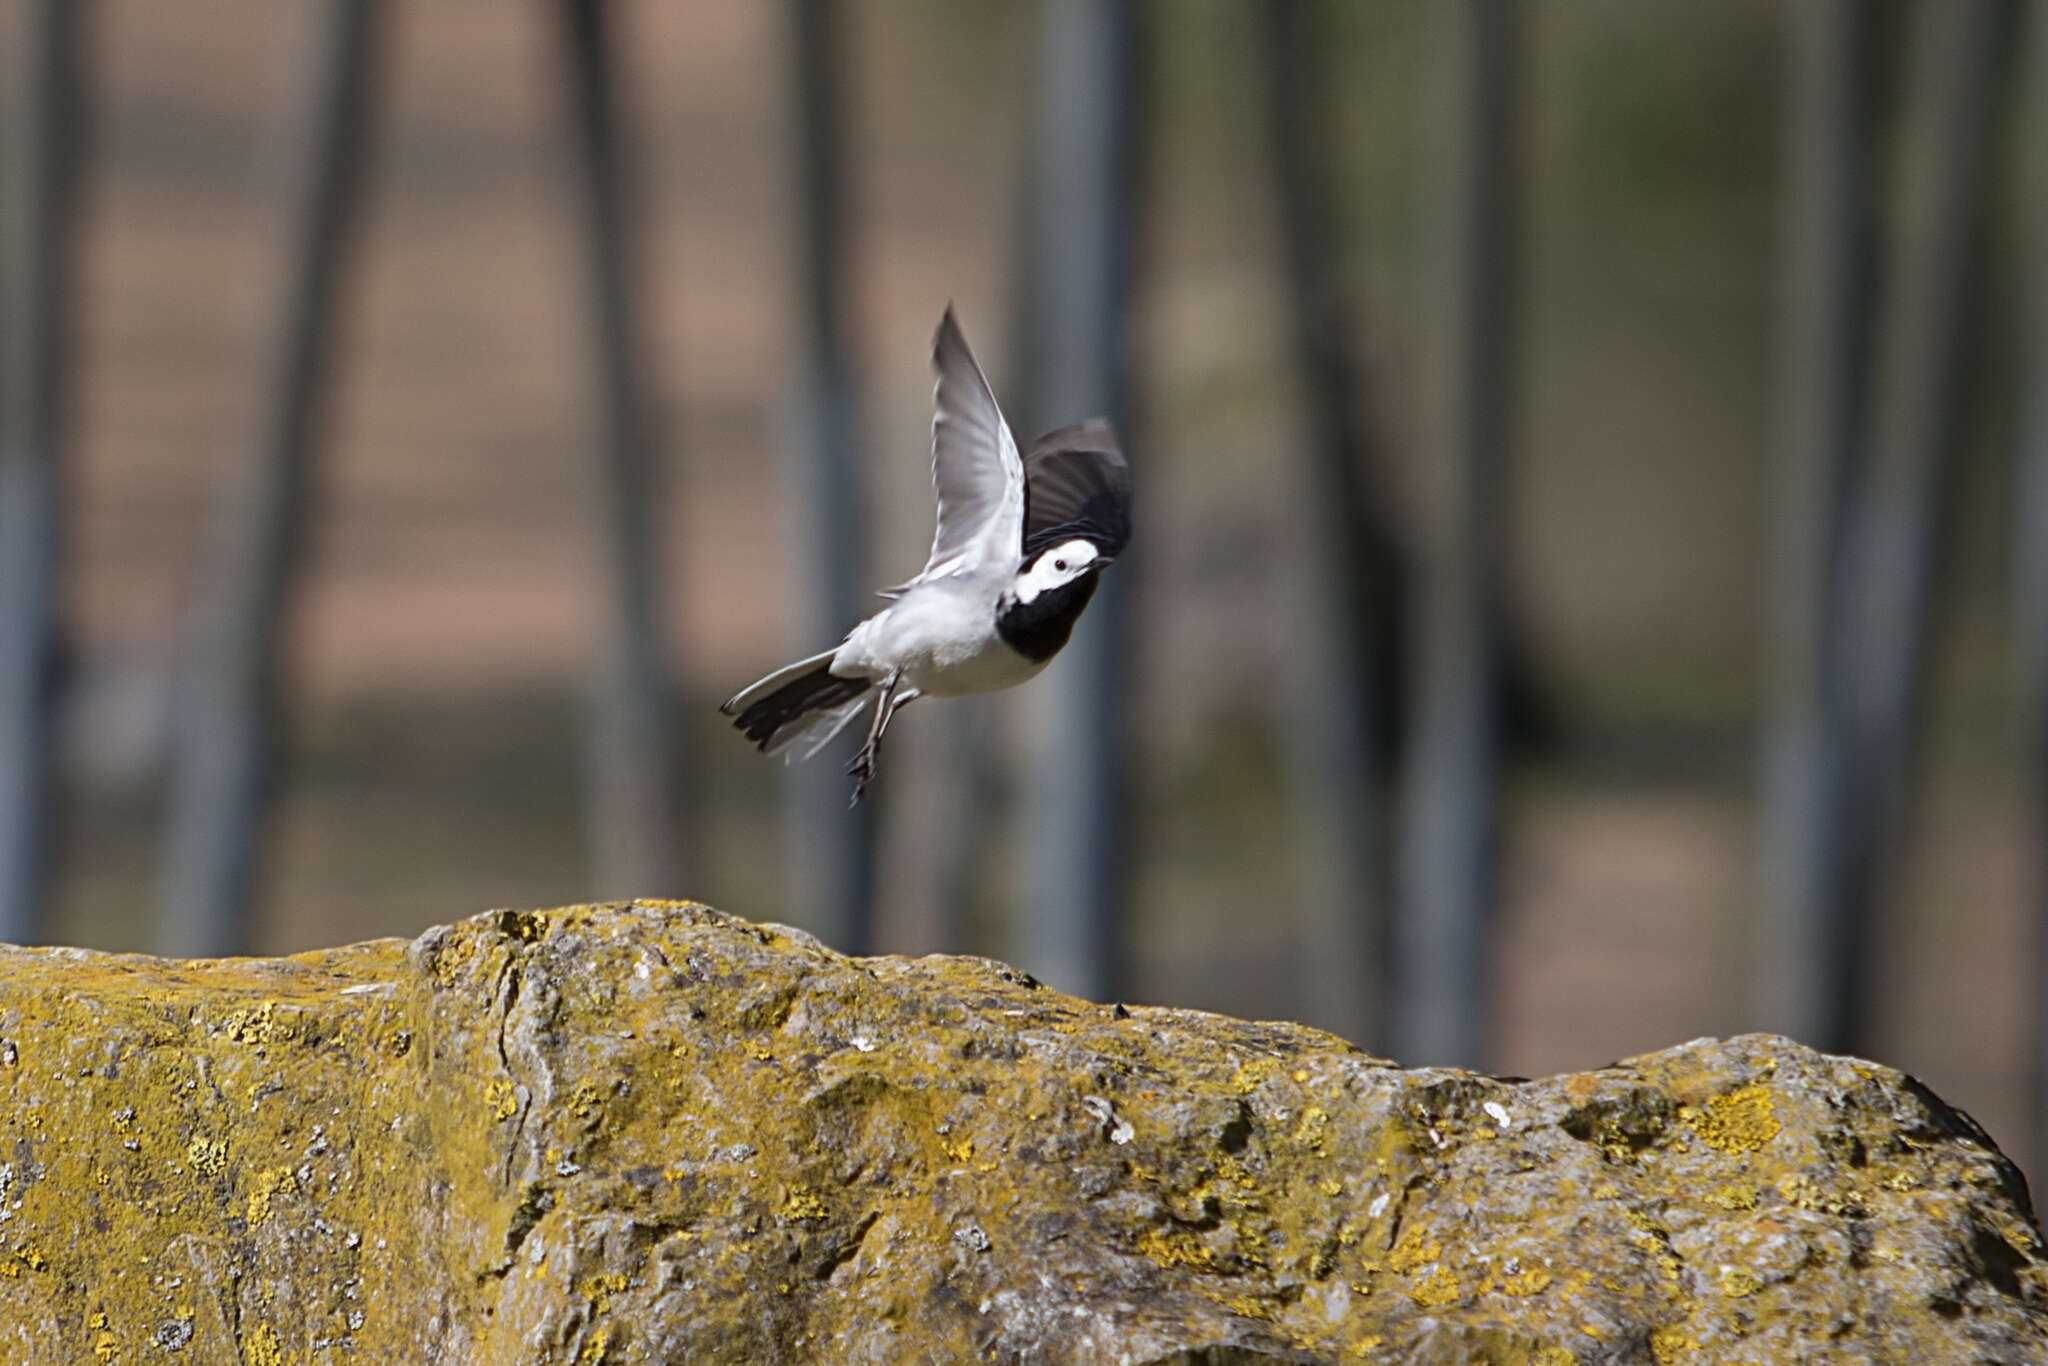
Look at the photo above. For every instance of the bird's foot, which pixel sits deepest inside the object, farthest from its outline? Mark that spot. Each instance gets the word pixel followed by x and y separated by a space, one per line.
pixel 862 770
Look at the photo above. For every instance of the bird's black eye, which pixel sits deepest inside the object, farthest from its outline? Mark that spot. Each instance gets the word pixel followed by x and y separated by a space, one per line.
pixel 1059 564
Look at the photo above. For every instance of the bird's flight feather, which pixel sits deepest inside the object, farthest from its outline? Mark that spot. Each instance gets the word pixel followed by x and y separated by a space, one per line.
pixel 1076 483
pixel 976 471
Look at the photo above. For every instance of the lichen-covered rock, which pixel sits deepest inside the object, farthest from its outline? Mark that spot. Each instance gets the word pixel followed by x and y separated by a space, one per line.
pixel 658 1134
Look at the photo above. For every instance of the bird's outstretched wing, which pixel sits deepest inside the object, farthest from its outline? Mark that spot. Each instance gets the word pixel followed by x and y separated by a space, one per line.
pixel 976 472
pixel 1076 483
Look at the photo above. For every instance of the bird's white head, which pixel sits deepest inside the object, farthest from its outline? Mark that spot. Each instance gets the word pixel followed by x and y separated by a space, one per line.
pixel 1056 566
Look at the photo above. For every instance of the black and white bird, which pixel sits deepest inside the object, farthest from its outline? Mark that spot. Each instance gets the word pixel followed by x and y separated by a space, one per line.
pixel 1019 547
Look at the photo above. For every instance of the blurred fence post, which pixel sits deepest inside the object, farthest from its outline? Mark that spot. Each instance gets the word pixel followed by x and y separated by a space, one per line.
pixel 1077 832
pixel 1342 676
pixel 637 832
pixel 1446 875
pixel 837 855
pixel 969 822
pixel 1951 87
pixel 37 177
pixel 1823 352
pixel 2030 542
pixel 225 725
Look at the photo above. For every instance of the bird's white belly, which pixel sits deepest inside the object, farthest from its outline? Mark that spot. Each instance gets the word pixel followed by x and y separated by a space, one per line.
pixel 942 640
pixel 954 674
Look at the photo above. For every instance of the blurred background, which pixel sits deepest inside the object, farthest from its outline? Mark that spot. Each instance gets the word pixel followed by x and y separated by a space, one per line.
pixel 1591 577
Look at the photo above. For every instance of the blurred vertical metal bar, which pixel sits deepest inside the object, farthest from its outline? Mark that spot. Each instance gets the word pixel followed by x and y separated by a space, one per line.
pixel 225 724
pixel 1446 872
pixel 1823 288
pixel 1076 823
pixel 2030 537
pixel 965 833
pixel 637 833
pixel 968 834
pixel 36 223
pixel 1335 751
pixel 838 843
pixel 1951 88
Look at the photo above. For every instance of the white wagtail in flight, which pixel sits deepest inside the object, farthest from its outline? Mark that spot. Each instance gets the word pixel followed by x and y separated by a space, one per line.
pixel 1014 560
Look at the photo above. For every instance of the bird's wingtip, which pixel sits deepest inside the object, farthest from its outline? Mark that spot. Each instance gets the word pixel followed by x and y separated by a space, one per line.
pixel 947 331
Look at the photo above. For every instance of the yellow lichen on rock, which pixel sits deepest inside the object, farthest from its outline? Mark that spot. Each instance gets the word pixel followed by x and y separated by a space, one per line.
pixel 1672 1345
pixel 1253 1074
pixel 1742 1121
pixel 656 1133
pixel 1738 1284
pixel 264 1348
pixel 1172 1247
pixel 1440 1287
pixel 256 1025
pixel 1736 1196
pixel 600 1289
pixel 803 1203
pixel 208 1156
pixel 269 1185
pixel 1414 1251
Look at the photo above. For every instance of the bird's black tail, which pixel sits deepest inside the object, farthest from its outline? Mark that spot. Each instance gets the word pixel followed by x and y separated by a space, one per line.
pixel 794 701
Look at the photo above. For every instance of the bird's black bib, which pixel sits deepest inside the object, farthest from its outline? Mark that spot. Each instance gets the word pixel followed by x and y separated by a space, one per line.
pixel 1039 629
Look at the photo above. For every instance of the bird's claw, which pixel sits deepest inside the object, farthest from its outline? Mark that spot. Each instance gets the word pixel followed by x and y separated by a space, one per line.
pixel 862 770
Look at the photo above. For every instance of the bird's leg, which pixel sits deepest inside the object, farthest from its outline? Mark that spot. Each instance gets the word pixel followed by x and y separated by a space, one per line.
pixel 863 766
pixel 896 703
